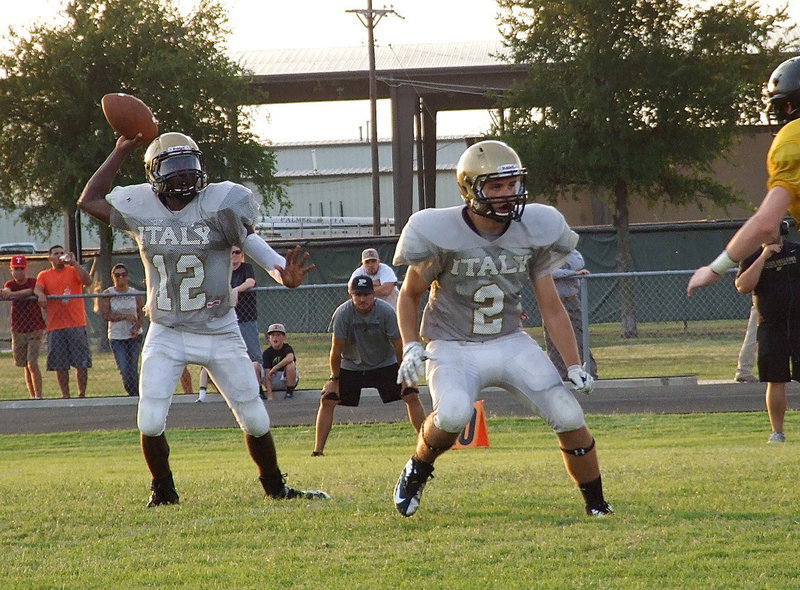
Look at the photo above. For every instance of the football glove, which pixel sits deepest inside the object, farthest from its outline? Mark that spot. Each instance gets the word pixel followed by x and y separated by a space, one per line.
pixel 412 368
pixel 582 380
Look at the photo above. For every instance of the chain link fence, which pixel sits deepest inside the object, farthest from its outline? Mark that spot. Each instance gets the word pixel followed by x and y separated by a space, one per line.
pixel 618 309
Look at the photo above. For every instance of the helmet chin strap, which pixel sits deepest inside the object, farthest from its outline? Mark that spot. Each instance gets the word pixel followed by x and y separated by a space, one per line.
pixel 183 200
pixel 490 214
pixel 484 208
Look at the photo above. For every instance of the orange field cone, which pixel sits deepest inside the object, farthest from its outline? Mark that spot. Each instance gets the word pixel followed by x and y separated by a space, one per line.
pixel 475 434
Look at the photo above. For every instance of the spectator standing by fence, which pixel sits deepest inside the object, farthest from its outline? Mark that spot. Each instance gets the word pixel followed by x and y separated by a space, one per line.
pixel 67 339
pixel 124 313
pixel 27 324
pixel 568 286
pixel 773 276
pixel 243 279
pixel 383 277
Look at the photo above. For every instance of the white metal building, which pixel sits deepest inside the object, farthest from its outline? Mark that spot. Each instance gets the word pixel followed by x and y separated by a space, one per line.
pixel 333 178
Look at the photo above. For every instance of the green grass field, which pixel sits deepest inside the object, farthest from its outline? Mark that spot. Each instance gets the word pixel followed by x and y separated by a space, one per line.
pixel 706 349
pixel 702 502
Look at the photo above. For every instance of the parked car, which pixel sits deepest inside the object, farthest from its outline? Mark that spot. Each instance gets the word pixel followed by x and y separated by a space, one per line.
pixel 18 248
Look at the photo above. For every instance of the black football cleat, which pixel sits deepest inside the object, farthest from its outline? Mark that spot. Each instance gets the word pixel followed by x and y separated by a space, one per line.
pixel 163 492
pixel 408 491
pixel 600 510
pixel 290 494
pixel 276 488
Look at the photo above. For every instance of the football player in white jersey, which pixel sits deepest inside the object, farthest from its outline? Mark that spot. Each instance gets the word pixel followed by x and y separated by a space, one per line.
pixel 475 260
pixel 185 228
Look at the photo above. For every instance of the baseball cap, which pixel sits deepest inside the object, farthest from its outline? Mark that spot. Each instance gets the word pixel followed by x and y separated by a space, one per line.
pixel 369 254
pixel 276 328
pixel 19 262
pixel 362 285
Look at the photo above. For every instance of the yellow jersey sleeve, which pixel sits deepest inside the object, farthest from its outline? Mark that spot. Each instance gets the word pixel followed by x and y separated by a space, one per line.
pixel 783 164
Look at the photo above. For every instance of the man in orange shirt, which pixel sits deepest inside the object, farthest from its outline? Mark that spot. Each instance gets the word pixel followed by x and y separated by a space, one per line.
pixel 67 340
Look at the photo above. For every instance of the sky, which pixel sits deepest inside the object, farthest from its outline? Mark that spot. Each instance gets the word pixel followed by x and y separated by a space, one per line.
pixel 282 24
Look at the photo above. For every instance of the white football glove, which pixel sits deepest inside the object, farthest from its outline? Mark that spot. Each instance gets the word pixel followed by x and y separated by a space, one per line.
pixel 582 380
pixel 412 368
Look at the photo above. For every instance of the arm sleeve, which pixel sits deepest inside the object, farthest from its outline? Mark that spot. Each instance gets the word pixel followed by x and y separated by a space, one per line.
pixel 263 255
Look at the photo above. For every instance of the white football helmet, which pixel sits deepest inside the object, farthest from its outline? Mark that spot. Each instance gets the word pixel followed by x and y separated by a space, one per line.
pixel 485 161
pixel 174 166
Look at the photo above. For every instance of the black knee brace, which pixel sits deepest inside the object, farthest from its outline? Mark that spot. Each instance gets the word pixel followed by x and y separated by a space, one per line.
pixel 579 452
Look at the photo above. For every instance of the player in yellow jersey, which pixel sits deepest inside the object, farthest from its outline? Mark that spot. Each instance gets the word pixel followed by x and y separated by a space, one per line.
pixel 783 186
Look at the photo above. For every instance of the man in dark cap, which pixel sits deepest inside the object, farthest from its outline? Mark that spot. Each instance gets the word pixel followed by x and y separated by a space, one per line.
pixel 366 349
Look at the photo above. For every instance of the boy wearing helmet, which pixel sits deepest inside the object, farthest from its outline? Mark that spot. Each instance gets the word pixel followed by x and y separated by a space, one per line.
pixel 475 260
pixel 185 229
pixel 783 186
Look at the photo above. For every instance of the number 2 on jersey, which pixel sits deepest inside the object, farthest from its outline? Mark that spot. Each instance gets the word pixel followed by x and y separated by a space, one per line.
pixel 487 318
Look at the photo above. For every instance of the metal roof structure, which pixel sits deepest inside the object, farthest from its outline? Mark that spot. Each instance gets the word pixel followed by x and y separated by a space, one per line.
pixel 272 62
pixel 419 79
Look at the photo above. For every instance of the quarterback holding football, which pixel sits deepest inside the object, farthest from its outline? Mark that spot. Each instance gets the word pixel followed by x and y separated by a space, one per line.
pixel 475 260
pixel 185 228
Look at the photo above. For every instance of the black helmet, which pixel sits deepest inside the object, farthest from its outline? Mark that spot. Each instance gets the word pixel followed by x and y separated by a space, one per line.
pixel 783 91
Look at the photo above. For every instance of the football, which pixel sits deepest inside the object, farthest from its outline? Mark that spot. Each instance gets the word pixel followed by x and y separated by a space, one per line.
pixel 128 116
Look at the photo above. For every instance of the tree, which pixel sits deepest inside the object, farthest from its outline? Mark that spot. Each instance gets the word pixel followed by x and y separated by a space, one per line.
pixel 634 99
pixel 53 134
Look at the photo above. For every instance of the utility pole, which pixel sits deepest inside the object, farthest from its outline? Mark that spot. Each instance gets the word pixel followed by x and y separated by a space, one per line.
pixel 370 19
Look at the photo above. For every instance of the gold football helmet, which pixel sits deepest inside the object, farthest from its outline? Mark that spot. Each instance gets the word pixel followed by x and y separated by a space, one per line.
pixel 174 166
pixel 487 161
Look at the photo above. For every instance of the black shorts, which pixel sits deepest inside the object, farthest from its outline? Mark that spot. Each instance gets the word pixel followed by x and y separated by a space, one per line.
pixel 778 354
pixel 68 347
pixel 383 379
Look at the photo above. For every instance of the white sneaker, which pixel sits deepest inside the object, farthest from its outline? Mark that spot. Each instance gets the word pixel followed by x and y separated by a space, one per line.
pixel 742 378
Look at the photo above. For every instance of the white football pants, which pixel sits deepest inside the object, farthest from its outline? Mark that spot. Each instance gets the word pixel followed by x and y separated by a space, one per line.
pixel 166 352
pixel 515 363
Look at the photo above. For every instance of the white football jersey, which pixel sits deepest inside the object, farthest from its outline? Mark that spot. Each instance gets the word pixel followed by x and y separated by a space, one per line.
pixel 186 253
pixel 476 283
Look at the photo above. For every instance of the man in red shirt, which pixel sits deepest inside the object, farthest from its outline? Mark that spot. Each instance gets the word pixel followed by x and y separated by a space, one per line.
pixel 27 324
pixel 67 340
